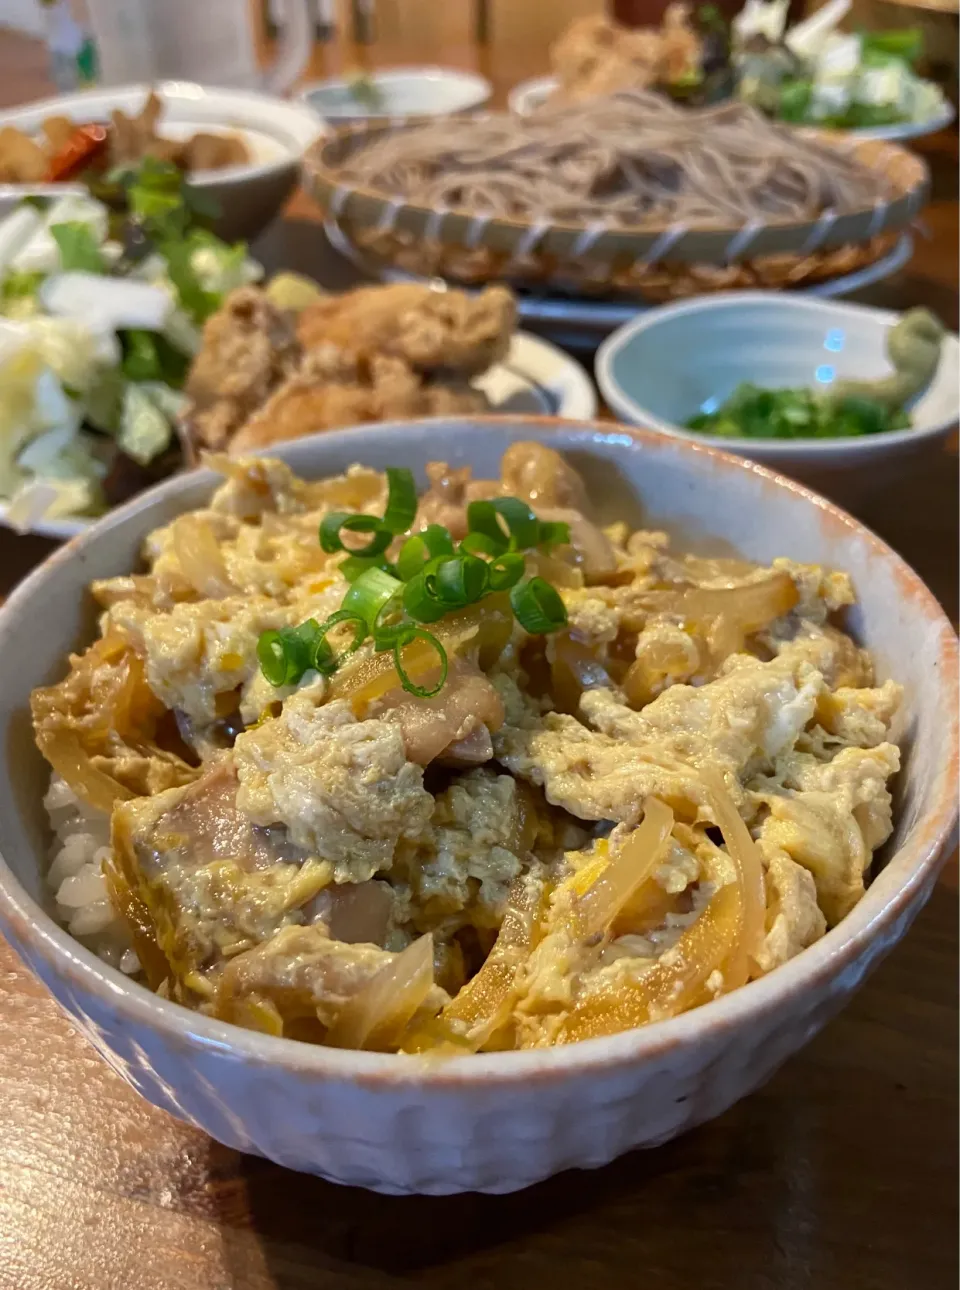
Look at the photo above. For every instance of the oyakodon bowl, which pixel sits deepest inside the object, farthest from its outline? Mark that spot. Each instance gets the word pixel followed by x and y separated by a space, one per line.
pixel 500 1121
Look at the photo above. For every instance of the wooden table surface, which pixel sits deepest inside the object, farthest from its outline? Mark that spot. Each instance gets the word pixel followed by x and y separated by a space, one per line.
pixel 840 1174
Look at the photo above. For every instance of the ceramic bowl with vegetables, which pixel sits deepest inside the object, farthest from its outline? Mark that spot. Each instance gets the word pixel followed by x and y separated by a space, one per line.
pixel 815 74
pixel 813 387
pixel 240 149
pixel 101 304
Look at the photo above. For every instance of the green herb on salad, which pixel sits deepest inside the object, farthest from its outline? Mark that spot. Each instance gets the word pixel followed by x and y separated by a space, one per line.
pixel 79 249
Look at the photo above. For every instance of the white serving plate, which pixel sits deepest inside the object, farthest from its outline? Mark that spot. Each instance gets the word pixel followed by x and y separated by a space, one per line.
pixel 535 378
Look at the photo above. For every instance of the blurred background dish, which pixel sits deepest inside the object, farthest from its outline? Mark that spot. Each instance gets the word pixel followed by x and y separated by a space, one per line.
pixel 396 92
pixel 580 322
pixel 811 73
pixel 674 363
pixel 542 202
pixel 275 134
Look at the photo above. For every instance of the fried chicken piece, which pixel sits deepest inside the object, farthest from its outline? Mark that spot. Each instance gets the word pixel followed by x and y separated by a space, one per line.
pixel 249 349
pixel 429 330
pixel 334 388
pixel 596 56
pixel 22 160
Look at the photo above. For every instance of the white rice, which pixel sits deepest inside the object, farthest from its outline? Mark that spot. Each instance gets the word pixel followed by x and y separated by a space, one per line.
pixel 82 902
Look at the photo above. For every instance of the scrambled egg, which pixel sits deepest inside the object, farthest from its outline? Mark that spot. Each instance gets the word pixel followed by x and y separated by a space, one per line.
pixel 278 854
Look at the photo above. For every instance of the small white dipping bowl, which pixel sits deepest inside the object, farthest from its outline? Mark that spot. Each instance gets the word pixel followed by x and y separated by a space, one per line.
pixel 498 1121
pixel 671 363
pixel 275 132
pixel 404 92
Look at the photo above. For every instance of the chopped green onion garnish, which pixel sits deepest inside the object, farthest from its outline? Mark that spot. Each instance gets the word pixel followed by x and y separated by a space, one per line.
pixel 401 500
pixel 353 566
pixel 418 550
pixel 285 655
pixel 369 593
pixel 431 578
pixel 420 604
pixel 553 533
pixel 407 638
pixel 521 523
pixel 324 659
pixel 457 581
pixel 506 571
pixel 537 606
pixel 481 544
pixel 345 521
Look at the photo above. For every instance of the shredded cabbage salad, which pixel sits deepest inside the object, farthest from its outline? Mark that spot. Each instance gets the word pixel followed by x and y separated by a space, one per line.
pixel 102 301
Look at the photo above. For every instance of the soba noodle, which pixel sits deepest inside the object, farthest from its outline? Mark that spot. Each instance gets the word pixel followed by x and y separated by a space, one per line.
pixel 632 159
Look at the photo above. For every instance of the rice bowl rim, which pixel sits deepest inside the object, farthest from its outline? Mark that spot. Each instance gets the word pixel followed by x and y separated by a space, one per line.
pixel 891 895
pixel 600 241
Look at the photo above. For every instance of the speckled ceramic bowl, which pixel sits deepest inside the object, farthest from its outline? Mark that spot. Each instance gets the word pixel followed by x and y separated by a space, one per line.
pixel 499 1121
pixel 671 363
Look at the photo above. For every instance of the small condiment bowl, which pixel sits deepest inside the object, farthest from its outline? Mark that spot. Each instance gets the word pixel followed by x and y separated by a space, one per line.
pixel 498 1121
pixel 667 365
pixel 398 93
pixel 249 196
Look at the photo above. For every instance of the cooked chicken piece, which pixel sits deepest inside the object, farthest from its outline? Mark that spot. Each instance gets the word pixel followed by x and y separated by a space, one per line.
pixel 430 331
pixel 343 788
pixel 334 388
pixel 22 160
pixel 597 56
pixel 249 348
pixel 540 476
pixel 134 137
pixel 450 492
pixel 213 882
pixel 467 705
pixel 302 976
pixel 213 152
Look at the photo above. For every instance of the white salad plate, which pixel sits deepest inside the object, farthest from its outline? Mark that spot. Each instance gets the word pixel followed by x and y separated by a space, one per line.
pixel 535 378
pixel 528 95
pixel 400 92
pixel 276 133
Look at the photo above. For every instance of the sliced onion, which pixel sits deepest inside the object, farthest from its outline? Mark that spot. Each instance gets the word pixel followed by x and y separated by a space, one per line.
pixel 672 984
pixel 377 1015
pixel 575 668
pixel 631 864
pixel 745 854
pixel 749 607
pixel 199 557
pixel 485 1002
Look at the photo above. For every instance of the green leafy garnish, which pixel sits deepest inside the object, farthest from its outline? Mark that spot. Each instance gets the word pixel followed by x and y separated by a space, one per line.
pixel 79 250
pixel 389 603
pixel 147 356
pixel 880 48
pixel 755 413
